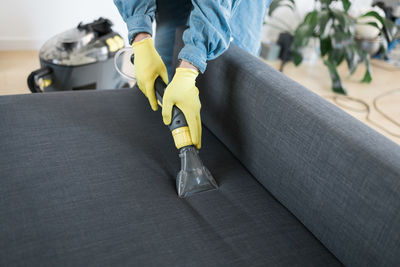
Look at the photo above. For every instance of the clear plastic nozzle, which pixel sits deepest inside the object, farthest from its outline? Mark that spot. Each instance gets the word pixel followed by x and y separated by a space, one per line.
pixel 193 177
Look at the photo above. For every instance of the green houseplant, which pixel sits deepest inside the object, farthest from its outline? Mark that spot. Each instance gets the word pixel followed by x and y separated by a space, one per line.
pixel 335 30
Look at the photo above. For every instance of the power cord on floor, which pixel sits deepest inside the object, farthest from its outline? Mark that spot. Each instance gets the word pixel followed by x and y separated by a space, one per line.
pixel 375 103
pixel 365 107
pixel 336 98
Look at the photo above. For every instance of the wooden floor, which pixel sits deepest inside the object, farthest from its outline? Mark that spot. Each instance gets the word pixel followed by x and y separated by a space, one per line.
pixel 15 67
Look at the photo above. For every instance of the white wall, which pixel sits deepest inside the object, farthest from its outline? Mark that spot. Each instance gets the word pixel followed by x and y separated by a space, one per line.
pixel 27 24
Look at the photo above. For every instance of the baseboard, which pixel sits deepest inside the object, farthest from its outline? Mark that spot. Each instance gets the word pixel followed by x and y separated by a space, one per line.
pixel 17 43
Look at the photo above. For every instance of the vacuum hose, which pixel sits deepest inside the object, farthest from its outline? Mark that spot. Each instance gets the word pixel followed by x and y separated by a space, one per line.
pixel 35 76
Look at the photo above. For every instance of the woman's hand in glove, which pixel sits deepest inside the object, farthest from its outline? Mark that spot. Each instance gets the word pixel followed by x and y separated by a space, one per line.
pixel 183 93
pixel 148 66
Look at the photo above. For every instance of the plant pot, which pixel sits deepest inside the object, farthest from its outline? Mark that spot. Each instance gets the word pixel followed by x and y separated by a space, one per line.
pixel 371 46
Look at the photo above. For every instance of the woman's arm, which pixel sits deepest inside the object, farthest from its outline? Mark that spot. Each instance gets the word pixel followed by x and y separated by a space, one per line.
pixel 209 33
pixel 138 15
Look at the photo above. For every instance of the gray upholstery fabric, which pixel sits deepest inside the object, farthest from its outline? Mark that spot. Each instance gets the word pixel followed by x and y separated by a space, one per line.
pixel 339 177
pixel 87 179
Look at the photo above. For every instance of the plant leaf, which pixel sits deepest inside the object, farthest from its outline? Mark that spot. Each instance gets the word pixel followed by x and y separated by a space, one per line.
pixel 297 58
pixel 326 45
pixel 367 76
pixel 311 18
pixel 346 5
pixel 336 82
pixel 375 15
pixel 346 23
pixel 323 23
pixel 305 30
pixel 341 39
pixel 391 29
pixel 340 16
pixel 301 36
pixel 326 2
pixel 352 58
pixel 384 48
pixel 336 56
pixel 374 24
pixel 275 4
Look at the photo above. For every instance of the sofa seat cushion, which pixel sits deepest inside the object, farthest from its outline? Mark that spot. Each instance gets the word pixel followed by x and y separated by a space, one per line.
pixel 88 179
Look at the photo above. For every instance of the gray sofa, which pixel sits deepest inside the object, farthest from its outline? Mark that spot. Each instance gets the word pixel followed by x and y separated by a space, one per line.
pixel 87 179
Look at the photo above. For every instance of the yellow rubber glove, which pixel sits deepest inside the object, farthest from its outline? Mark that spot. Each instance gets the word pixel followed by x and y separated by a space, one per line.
pixel 148 66
pixel 183 93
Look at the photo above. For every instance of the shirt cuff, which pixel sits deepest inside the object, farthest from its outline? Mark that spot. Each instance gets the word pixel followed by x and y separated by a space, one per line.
pixel 137 24
pixel 195 56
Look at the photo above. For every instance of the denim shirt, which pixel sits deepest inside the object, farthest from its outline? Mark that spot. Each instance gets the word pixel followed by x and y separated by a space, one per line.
pixel 213 24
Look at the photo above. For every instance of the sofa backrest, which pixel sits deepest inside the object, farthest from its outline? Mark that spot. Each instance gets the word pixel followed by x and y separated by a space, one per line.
pixel 340 178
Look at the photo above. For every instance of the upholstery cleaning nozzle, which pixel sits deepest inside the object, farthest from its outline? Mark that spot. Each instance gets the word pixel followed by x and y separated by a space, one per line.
pixel 193 177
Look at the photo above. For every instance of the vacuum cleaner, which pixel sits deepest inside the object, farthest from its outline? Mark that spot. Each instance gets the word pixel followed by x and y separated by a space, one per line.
pixel 79 59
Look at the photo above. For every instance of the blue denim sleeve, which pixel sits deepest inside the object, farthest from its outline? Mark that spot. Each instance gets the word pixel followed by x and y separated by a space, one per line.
pixel 209 33
pixel 138 15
